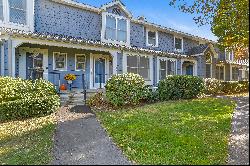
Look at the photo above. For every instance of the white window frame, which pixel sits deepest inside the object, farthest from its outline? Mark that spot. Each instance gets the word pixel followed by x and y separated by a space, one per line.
pixel 156 38
pixel 231 72
pixel 211 65
pixel 158 66
pixel 151 77
pixel 224 70
pixel 178 50
pixel 81 62
pixel 228 55
pixel 29 26
pixel 103 31
pixel 65 65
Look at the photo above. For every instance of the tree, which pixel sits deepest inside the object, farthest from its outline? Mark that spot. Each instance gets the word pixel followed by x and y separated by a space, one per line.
pixel 229 20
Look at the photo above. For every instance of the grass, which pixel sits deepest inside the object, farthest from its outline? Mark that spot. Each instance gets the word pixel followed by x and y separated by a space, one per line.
pixel 180 132
pixel 27 142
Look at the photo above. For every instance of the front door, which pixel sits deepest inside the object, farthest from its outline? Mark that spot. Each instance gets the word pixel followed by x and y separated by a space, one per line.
pixel 189 70
pixel 99 71
pixel 34 66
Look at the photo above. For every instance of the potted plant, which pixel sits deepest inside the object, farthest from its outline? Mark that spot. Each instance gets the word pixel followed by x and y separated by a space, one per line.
pixel 70 78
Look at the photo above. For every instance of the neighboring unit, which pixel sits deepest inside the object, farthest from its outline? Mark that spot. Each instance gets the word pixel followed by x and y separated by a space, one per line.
pixel 50 38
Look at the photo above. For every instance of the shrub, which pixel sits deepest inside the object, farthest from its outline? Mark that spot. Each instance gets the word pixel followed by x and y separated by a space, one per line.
pixel 97 100
pixel 180 87
pixel 233 87
pixel 212 86
pixel 25 98
pixel 151 95
pixel 125 89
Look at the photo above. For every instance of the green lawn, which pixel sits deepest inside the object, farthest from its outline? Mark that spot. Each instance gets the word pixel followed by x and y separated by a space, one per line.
pixel 27 141
pixel 179 132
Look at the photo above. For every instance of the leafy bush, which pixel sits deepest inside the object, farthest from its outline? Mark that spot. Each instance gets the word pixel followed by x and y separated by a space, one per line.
pixel 180 87
pixel 97 100
pixel 151 95
pixel 233 87
pixel 125 89
pixel 24 98
pixel 212 86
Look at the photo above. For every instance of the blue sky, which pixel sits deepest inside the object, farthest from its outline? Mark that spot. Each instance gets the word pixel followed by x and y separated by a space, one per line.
pixel 159 12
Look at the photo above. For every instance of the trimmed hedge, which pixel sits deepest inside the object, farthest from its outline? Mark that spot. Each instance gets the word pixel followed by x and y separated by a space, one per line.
pixel 234 87
pixel 25 98
pixel 123 89
pixel 180 87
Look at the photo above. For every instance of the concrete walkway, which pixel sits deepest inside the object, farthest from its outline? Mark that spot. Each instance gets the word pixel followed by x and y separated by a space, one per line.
pixel 239 138
pixel 84 142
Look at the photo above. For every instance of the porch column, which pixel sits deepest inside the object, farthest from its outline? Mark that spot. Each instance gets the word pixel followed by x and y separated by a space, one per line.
pixel 115 62
pixel 195 68
pixel 2 60
pixel 12 45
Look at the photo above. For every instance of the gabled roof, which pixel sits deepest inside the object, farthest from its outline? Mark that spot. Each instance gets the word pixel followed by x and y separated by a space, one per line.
pixel 118 3
pixel 201 49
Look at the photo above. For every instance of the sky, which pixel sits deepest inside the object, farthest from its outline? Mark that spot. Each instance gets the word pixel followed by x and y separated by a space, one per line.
pixel 160 12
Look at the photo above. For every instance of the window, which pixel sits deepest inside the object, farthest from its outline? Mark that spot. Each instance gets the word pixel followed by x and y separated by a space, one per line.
pixel 220 72
pixel 116 29
pixel 1 10
pixel 152 38
pixel 208 65
pixel 229 55
pixel 235 73
pixel 178 44
pixel 17 11
pixel 80 61
pixel 139 65
pixel 167 67
pixel 60 61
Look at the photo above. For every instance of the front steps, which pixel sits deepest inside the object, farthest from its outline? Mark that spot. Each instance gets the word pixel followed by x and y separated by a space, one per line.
pixel 76 96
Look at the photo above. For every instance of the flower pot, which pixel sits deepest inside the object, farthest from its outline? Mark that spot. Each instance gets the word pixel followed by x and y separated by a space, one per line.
pixel 69 81
pixel 63 87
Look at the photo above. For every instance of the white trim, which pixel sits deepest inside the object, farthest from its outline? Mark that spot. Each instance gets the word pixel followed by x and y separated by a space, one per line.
pixel 115 62
pixel 158 66
pixel 65 65
pixel 195 72
pixel 91 72
pixel 118 3
pixel 178 50
pixel 22 64
pixel 151 65
pixel 211 65
pixel 29 17
pixel 104 16
pixel 156 38
pixel 84 62
pixel 231 72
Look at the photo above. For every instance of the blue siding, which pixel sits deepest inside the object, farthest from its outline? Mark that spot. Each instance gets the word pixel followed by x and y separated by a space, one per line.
pixel 56 18
pixel 6 49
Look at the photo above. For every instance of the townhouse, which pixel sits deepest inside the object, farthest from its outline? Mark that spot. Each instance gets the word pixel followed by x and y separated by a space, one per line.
pixel 50 38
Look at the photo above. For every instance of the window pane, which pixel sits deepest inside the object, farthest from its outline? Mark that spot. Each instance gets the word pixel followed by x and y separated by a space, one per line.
pixel 60 65
pixel 178 43
pixel 217 72
pixel 122 25
pixel 17 11
pixel 171 67
pixel 152 38
pixel 1 9
pixel 60 60
pixel 144 62
pixel 144 73
pixel 122 36
pixel 132 61
pixel 221 73
pixel 208 70
pixel 110 33
pixel 111 22
pixel 132 70
pixel 80 62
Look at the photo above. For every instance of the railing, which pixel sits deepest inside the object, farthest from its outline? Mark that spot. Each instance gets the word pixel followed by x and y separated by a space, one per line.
pixel 59 80
pixel 239 62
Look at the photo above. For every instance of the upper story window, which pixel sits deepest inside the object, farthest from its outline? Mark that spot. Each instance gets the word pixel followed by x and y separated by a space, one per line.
pixel 1 10
pixel 178 44
pixel 115 29
pixel 208 65
pixel 18 11
pixel 229 55
pixel 17 14
pixel 152 38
